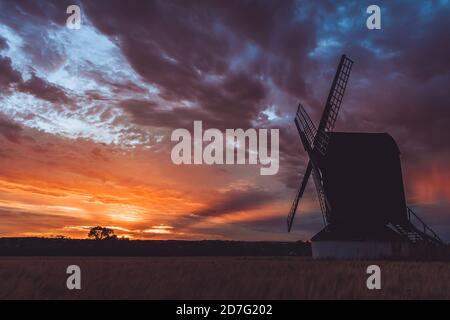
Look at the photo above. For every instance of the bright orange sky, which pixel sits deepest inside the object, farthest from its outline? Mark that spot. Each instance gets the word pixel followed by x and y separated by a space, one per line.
pixel 59 186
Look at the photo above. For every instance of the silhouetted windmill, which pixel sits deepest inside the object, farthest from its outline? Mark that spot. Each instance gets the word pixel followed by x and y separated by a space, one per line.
pixel 359 185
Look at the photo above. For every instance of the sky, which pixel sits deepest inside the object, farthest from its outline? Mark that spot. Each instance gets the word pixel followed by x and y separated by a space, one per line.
pixel 86 114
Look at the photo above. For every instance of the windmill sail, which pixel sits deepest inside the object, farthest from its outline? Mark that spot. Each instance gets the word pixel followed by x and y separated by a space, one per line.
pixel 333 104
pixel 316 140
pixel 308 133
pixel 298 196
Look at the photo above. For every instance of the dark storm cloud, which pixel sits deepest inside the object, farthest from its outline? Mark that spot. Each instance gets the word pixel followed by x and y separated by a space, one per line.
pixel 16 12
pixel 234 103
pixel 149 113
pixel 304 223
pixel 419 119
pixel 3 43
pixel 42 89
pixel 7 73
pixel 10 130
pixel 217 55
pixel 238 200
pixel 13 219
pixel 35 86
pixel 274 224
pixel 419 37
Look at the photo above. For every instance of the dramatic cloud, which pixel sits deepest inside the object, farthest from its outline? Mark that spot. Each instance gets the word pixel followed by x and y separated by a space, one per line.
pixel 8 75
pixel 237 200
pixel 10 130
pixel 43 90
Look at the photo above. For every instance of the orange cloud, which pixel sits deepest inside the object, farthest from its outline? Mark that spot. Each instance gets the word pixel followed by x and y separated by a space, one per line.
pixel 430 183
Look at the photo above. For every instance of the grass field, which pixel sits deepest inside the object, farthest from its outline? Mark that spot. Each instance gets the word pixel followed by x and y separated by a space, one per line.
pixel 219 278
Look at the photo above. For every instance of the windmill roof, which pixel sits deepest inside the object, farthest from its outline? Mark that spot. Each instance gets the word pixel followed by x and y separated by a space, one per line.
pixel 364 142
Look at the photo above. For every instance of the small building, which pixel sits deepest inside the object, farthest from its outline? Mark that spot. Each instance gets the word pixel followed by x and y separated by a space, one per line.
pixel 341 243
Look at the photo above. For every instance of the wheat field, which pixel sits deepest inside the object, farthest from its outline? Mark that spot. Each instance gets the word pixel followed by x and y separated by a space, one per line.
pixel 219 278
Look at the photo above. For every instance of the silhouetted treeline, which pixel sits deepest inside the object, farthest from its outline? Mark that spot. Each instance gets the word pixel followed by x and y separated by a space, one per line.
pixel 73 247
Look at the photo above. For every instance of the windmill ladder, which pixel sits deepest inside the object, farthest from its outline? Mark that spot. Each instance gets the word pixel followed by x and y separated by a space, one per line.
pixel 416 230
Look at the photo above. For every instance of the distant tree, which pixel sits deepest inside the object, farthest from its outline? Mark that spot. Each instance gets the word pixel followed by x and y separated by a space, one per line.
pixel 101 233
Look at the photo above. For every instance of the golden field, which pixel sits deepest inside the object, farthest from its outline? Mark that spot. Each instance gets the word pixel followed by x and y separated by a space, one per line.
pixel 219 278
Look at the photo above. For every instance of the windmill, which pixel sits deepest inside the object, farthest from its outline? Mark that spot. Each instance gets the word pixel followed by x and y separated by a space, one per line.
pixel 359 186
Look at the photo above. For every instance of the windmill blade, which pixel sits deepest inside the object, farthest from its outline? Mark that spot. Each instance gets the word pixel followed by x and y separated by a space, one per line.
pixel 306 130
pixel 304 124
pixel 299 195
pixel 316 142
pixel 333 104
pixel 336 94
pixel 325 206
